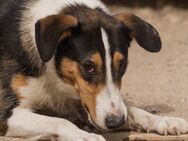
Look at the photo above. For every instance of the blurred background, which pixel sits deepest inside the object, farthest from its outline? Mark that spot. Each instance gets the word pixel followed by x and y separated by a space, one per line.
pixel 158 82
pixel 157 4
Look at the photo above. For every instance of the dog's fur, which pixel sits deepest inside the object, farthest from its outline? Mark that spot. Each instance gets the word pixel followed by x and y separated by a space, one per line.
pixel 66 58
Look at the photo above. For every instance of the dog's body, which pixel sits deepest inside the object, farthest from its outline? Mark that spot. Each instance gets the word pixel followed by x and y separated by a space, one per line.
pixel 68 57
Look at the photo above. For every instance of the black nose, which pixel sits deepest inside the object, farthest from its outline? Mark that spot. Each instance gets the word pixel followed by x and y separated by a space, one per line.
pixel 114 121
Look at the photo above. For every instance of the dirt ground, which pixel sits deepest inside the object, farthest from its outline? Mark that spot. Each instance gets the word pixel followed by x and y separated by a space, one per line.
pixel 159 82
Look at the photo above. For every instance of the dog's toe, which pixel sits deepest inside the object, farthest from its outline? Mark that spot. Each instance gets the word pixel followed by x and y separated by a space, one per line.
pixel 170 125
pixel 91 137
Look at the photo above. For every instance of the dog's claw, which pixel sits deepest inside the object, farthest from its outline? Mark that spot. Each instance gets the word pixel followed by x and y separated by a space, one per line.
pixel 148 130
pixel 170 125
pixel 165 132
pixel 90 137
pixel 177 131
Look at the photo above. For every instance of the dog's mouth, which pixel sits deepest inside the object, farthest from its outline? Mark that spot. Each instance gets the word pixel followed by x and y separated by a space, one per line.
pixel 95 125
pixel 90 120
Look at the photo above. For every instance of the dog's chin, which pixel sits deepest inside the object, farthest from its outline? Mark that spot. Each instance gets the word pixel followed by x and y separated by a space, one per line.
pixel 97 126
pixel 92 122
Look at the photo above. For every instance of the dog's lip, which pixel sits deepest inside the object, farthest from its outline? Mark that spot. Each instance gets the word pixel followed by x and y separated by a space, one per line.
pixel 95 125
pixel 91 120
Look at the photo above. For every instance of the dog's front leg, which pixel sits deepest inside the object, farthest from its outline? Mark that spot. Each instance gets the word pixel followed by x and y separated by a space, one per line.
pixel 25 123
pixel 139 119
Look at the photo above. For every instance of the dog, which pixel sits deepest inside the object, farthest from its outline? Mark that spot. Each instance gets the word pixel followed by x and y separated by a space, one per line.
pixel 65 58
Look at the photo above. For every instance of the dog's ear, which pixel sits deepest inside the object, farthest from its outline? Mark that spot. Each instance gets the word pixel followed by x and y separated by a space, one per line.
pixel 50 31
pixel 144 33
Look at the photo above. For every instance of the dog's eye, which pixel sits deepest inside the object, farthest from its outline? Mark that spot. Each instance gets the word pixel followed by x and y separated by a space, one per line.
pixel 122 66
pixel 89 67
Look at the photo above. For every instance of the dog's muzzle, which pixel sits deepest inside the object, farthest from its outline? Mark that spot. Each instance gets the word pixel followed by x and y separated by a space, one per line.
pixel 115 121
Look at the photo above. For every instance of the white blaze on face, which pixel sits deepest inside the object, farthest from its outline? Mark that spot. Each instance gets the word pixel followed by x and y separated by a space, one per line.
pixel 109 100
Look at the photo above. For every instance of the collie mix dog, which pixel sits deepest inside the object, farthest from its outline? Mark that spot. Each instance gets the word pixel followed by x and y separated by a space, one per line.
pixel 67 58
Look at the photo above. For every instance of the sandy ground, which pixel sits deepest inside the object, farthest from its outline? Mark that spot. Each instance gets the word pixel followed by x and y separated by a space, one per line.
pixel 159 82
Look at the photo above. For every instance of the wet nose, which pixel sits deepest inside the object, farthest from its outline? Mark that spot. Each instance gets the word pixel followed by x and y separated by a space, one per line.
pixel 114 121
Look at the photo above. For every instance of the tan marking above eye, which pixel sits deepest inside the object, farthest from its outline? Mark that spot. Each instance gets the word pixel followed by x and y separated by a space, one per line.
pixel 17 82
pixel 116 62
pixel 68 67
pixel 116 59
pixel 96 58
pixel 88 92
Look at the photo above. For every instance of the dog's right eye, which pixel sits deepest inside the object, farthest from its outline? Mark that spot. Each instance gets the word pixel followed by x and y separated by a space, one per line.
pixel 122 67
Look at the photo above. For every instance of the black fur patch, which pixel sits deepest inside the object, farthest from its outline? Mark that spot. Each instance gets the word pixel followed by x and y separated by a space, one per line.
pixel 87 40
pixel 13 58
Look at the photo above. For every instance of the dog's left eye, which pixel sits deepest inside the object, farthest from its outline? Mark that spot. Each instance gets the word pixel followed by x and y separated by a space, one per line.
pixel 122 67
pixel 89 67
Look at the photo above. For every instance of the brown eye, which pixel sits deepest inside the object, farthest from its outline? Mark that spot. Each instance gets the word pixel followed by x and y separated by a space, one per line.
pixel 89 67
pixel 122 67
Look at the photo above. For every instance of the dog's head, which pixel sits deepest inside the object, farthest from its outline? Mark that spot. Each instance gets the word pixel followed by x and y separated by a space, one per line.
pixel 90 50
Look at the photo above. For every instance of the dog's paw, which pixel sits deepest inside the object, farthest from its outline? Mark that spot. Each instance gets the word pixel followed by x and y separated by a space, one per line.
pixel 80 135
pixel 91 137
pixel 168 125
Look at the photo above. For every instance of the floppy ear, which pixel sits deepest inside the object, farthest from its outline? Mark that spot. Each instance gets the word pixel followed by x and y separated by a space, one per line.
pixel 50 31
pixel 144 33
